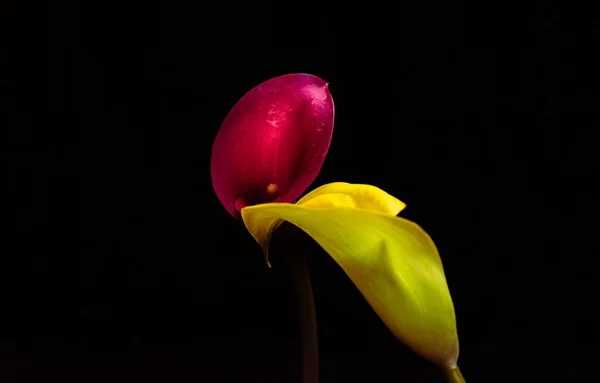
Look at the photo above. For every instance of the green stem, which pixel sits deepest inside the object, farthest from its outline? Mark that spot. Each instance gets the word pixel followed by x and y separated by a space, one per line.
pixel 308 320
pixel 454 375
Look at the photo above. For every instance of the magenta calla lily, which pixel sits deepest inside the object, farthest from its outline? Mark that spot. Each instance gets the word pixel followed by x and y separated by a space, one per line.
pixel 273 142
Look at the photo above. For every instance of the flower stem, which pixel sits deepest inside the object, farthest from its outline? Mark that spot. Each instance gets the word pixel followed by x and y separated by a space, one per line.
pixel 454 375
pixel 308 320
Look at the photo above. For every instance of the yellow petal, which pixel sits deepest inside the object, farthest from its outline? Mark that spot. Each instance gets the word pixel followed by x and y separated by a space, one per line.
pixel 391 260
pixel 336 194
pixel 358 196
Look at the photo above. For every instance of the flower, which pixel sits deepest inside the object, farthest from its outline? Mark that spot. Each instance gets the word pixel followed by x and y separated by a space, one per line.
pixel 273 142
pixel 278 134
pixel 392 261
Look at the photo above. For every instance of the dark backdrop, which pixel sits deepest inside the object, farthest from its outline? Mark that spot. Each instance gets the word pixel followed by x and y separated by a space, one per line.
pixel 119 264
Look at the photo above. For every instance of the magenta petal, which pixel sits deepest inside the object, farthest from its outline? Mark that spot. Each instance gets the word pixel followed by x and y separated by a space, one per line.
pixel 277 134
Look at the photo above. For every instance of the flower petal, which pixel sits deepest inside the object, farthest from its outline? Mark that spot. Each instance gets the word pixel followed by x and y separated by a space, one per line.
pixel 273 142
pixel 357 196
pixel 391 260
pixel 337 194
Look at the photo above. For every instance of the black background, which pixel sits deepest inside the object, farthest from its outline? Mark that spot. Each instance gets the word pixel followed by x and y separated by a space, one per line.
pixel 118 263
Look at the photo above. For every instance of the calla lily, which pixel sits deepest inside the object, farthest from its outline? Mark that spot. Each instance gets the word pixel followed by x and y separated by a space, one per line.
pixel 391 260
pixel 273 142
pixel 270 148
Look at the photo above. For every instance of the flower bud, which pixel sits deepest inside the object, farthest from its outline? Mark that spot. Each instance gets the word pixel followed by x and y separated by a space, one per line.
pixel 272 144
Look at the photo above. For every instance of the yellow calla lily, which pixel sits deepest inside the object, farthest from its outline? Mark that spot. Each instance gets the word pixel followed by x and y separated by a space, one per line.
pixel 392 261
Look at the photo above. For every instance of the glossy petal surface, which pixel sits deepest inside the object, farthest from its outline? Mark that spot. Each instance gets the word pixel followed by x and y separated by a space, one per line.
pixel 276 134
pixel 392 261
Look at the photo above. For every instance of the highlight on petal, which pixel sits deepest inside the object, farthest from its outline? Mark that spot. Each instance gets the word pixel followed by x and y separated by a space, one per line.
pixel 273 142
pixel 392 261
